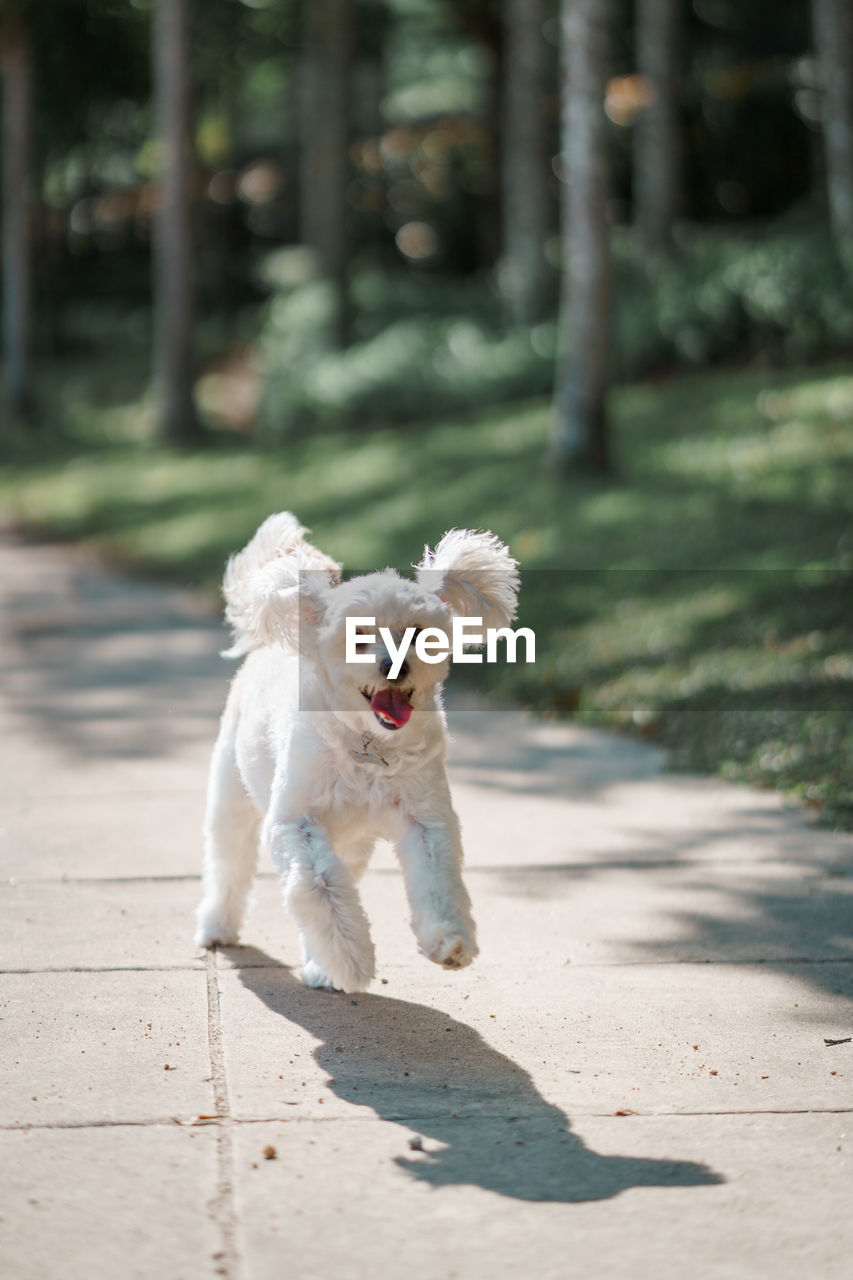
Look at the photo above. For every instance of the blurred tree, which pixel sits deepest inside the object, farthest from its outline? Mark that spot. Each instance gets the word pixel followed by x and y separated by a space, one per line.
pixel 833 37
pixel 311 213
pixel 524 169
pixel 16 63
pixel 325 168
pixel 173 364
pixel 746 107
pixel 91 55
pixel 579 425
pixel 483 22
pixel 655 146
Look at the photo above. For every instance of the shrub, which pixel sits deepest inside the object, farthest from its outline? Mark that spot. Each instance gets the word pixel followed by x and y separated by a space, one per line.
pixel 427 345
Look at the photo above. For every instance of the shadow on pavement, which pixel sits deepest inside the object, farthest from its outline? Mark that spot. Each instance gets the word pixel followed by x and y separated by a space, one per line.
pixel 420 1068
pixel 108 667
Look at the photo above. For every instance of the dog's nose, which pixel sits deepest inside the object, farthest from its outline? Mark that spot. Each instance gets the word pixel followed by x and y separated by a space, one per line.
pixel 385 667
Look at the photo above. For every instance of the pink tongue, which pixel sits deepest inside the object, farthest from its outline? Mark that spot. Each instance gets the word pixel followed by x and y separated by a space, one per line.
pixel 392 704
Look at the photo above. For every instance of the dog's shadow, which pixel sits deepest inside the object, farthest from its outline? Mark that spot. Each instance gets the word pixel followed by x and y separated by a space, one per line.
pixel 424 1070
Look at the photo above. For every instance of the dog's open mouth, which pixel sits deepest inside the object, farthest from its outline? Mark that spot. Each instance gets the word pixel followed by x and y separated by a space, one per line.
pixel 391 707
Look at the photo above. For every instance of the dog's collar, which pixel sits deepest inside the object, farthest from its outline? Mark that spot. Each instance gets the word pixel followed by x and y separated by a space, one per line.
pixel 369 757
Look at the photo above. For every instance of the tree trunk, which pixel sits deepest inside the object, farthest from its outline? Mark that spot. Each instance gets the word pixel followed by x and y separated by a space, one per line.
pixel 655 152
pixel 524 168
pixel 579 426
pixel 325 169
pixel 173 364
pixel 17 252
pixel 310 112
pixel 832 22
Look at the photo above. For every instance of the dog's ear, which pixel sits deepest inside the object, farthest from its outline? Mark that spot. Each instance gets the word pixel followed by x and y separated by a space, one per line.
pixel 275 585
pixel 283 614
pixel 474 574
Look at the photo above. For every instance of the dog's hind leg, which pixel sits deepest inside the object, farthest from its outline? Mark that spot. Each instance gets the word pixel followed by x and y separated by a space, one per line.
pixel 230 850
pixel 320 892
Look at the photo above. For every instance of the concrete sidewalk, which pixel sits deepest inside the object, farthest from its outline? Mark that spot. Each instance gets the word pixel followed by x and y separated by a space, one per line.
pixel 633 1080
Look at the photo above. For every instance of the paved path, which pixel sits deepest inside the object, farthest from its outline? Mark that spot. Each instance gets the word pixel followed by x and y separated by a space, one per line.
pixel 632 1081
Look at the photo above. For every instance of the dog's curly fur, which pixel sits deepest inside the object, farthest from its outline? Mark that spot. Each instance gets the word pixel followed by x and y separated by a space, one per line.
pixel 316 758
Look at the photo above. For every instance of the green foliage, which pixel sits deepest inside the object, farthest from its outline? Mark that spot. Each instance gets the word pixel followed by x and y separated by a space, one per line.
pixel 778 291
pixel 91 59
pixel 423 348
pixel 429 344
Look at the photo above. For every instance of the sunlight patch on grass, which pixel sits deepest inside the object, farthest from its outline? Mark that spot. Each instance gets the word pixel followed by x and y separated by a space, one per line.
pixel 769 461
pixel 634 629
pixel 723 673
pixel 180 540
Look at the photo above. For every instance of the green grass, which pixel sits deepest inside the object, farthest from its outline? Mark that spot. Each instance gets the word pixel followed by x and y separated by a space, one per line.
pixel 701 597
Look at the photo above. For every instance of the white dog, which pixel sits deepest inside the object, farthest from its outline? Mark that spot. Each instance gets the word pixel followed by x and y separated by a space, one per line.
pixel 317 757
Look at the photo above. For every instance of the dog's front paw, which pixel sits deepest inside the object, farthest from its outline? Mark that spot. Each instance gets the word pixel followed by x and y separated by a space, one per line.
pixel 342 973
pixel 313 976
pixel 352 973
pixel 214 930
pixel 451 945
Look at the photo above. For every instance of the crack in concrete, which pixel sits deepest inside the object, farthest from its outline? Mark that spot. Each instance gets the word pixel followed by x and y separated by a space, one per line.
pixel 111 968
pixel 840 872
pixel 222 1207
pixel 198 965
pixel 408 1118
